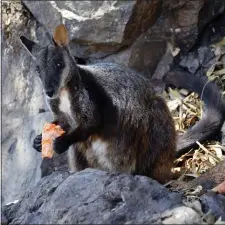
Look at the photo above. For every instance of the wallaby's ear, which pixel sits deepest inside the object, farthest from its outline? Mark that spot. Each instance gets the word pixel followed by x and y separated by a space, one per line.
pixel 61 37
pixel 31 46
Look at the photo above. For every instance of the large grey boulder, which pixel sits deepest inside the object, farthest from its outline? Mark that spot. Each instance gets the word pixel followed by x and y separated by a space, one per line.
pixel 98 197
pixel 97 28
pixel 182 26
pixel 136 33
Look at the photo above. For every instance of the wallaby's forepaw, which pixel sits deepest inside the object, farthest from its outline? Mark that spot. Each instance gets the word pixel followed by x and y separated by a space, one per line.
pixel 61 144
pixel 37 143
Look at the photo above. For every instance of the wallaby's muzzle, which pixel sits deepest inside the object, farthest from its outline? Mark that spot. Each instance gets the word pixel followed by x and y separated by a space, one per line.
pixel 49 93
pixel 50 85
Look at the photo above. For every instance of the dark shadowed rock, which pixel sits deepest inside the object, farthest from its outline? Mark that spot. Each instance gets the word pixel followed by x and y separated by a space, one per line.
pixel 211 17
pixel 223 135
pixel 215 203
pixel 208 180
pixel 211 178
pixel 198 61
pixel 93 197
pixel 180 25
pixel 178 28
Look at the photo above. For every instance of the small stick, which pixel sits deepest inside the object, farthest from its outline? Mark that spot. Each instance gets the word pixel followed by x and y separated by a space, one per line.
pixel 207 151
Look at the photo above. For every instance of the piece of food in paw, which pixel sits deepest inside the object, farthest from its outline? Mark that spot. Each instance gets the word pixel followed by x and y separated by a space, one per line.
pixel 49 134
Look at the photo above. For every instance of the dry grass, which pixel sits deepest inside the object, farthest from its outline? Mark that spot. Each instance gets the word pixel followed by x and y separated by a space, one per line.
pixel 187 109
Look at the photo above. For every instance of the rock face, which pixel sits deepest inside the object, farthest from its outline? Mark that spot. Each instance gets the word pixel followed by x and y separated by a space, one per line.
pixel 97 197
pixel 24 111
pixel 148 36
pixel 20 119
pixel 97 28
pixel 215 203
pixel 133 33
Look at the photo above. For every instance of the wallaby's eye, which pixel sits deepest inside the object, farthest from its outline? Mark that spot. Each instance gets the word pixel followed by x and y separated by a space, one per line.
pixel 59 64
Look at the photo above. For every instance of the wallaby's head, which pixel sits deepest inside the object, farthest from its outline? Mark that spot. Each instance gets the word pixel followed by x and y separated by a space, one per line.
pixel 54 63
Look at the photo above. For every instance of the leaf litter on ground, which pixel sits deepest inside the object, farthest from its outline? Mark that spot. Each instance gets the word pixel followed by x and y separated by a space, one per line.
pixel 187 108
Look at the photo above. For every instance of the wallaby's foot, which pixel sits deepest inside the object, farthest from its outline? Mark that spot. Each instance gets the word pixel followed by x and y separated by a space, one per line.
pixel 61 144
pixel 37 143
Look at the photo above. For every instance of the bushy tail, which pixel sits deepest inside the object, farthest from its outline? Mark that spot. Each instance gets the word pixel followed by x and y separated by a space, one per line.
pixel 214 113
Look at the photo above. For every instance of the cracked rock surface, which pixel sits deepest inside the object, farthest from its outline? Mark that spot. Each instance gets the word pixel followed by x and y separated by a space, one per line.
pixel 94 196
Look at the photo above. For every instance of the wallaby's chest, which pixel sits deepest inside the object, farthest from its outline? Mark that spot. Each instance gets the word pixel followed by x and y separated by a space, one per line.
pixel 65 106
pixel 97 153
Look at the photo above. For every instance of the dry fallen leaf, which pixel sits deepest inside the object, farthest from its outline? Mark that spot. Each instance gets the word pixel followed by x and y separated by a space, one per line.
pixel 186 111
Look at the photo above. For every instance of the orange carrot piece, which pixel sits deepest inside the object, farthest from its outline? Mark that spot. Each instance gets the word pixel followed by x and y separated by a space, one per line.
pixel 49 134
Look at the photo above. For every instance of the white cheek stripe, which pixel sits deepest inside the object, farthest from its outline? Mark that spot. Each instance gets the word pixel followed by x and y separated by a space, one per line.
pixel 65 71
pixel 65 105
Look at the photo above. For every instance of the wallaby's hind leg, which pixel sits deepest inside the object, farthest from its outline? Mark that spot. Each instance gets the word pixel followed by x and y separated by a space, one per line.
pixel 159 167
pixel 157 160
pixel 162 167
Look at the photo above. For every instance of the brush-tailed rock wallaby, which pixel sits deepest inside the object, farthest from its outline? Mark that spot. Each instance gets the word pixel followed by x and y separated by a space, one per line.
pixel 112 117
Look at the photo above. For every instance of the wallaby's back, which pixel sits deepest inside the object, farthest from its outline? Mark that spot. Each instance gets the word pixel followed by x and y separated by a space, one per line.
pixel 141 139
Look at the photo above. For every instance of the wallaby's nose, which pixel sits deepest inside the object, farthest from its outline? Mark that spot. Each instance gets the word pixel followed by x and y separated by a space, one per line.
pixel 50 93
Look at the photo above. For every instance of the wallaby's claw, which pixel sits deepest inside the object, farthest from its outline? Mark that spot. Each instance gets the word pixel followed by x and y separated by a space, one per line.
pixel 37 143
